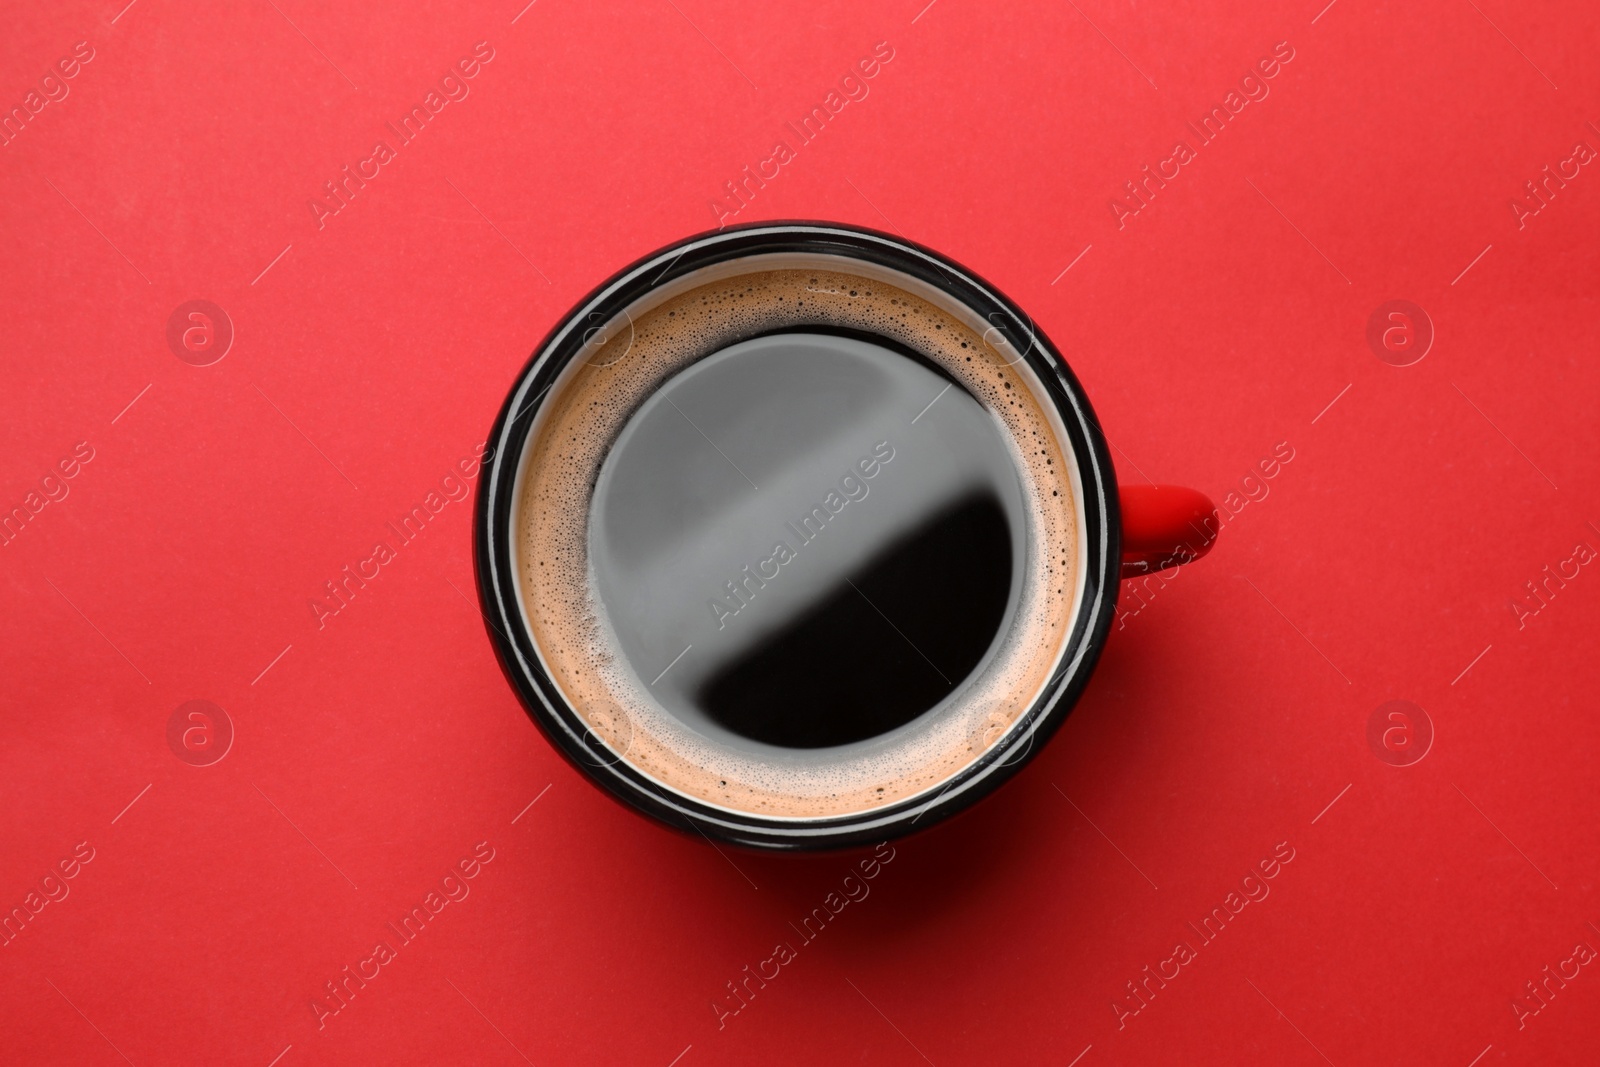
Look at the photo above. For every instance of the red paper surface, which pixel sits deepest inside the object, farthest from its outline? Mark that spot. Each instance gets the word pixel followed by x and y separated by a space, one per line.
pixel 1222 323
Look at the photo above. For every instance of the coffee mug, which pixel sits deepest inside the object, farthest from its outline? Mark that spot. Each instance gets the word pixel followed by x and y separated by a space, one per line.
pixel 802 536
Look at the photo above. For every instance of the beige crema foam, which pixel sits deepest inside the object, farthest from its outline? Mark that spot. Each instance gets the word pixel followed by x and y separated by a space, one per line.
pixel 583 417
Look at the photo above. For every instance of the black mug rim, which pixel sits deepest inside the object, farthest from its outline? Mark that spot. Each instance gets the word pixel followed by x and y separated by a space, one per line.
pixel 499 589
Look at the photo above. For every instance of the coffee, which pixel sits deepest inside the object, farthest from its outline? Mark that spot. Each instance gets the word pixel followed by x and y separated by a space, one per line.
pixel 796 537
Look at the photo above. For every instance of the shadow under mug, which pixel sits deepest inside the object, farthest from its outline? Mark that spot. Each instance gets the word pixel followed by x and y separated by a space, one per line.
pixel 1121 533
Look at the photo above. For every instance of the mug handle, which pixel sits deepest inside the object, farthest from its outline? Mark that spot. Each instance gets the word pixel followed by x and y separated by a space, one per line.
pixel 1164 526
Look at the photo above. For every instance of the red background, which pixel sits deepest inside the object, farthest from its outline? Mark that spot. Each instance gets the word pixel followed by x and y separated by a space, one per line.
pixel 1226 715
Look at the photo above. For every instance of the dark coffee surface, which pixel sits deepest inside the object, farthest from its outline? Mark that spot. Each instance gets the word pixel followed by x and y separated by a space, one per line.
pixel 697 494
pixel 887 645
